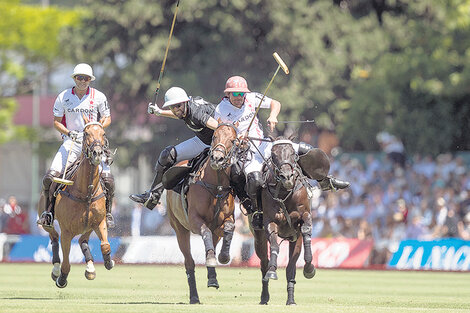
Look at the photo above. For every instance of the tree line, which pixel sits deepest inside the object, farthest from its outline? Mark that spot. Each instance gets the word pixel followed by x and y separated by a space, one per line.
pixel 362 66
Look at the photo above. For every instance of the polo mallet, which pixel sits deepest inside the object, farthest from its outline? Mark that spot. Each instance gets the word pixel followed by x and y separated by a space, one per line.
pixel 166 54
pixel 285 69
pixel 62 180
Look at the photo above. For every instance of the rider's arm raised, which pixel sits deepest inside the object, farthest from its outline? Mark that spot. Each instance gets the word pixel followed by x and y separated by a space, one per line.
pixel 275 109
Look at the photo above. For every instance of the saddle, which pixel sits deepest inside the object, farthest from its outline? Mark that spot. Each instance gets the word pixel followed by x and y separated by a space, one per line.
pixel 55 188
pixel 179 177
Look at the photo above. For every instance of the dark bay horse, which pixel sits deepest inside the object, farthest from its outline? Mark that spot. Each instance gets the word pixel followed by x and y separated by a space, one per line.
pixel 286 214
pixel 80 208
pixel 210 208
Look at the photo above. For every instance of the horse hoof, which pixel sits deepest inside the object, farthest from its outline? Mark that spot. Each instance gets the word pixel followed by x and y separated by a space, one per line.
pixel 263 302
pixel 292 302
pixel 213 283
pixel 109 265
pixel 53 276
pixel 271 275
pixel 194 300
pixel 224 258
pixel 57 283
pixel 309 275
pixel 90 275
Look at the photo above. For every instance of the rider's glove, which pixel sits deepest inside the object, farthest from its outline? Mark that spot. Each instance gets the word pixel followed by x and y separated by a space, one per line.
pixel 73 135
pixel 153 109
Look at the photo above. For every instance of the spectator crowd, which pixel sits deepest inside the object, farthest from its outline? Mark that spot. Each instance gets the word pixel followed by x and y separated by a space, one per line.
pixel 388 201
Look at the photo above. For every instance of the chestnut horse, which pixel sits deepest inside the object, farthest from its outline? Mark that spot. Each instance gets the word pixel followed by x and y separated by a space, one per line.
pixel 286 214
pixel 210 208
pixel 80 208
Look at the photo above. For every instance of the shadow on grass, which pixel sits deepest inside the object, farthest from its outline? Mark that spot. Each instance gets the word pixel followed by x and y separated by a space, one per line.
pixel 26 298
pixel 148 302
pixel 138 302
pixel 126 303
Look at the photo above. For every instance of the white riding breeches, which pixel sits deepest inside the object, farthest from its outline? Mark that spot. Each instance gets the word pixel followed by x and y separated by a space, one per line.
pixel 255 162
pixel 58 164
pixel 188 149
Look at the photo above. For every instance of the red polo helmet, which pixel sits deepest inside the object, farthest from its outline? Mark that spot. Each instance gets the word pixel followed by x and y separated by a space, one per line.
pixel 236 83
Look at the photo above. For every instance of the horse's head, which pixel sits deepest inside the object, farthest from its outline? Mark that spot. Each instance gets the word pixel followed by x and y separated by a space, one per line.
pixel 284 160
pixel 223 145
pixel 94 142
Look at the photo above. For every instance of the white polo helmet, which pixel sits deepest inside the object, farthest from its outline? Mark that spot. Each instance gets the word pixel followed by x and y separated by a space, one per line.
pixel 83 69
pixel 175 95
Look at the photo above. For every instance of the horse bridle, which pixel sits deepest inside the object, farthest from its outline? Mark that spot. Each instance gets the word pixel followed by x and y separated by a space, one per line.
pixel 222 148
pixel 293 165
pixel 275 194
pixel 90 196
pixel 89 147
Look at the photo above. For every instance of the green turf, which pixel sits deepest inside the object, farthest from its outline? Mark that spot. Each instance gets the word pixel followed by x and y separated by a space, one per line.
pixel 148 288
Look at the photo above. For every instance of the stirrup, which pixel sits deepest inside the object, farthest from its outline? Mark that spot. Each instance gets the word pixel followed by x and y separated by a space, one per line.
pixel 257 220
pixel 338 184
pixel 331 183
pixel 46 220
pixel 152 200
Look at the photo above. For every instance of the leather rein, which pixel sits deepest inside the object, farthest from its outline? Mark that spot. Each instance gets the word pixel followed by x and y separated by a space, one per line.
pixel 219 191
pixel 276 188
pixel 91 192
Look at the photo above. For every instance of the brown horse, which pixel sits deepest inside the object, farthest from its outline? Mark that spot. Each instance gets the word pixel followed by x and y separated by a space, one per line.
pixel 286 214
pixel 210 208
pixel 80 208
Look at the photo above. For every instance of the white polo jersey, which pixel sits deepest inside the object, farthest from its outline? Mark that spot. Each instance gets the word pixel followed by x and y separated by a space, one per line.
pixel 241 117
pixel 69 106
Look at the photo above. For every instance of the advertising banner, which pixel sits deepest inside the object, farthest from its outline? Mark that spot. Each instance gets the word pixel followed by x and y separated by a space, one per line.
pixel 328 253
pixel 31 248
pixel 444 254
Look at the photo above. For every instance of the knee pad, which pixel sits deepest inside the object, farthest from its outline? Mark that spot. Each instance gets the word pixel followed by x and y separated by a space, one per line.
pixel 254 181
pixel 108 180
pixel 47 179
pixel 167 158
pixel 304 148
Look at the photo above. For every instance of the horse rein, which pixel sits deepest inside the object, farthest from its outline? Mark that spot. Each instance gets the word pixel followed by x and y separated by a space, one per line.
pixel 220 192
pixel 223 149
pixel 278 185
pixel 94 143
pixel 90 196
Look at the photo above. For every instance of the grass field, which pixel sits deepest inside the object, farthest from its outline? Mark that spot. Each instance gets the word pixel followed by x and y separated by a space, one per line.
pixel 148 288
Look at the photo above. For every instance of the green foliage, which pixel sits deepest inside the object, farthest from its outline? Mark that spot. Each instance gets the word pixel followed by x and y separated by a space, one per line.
pixel 32 31
pixel 419 83
pixel 400 66
pixel 28 42
pixel 7 109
